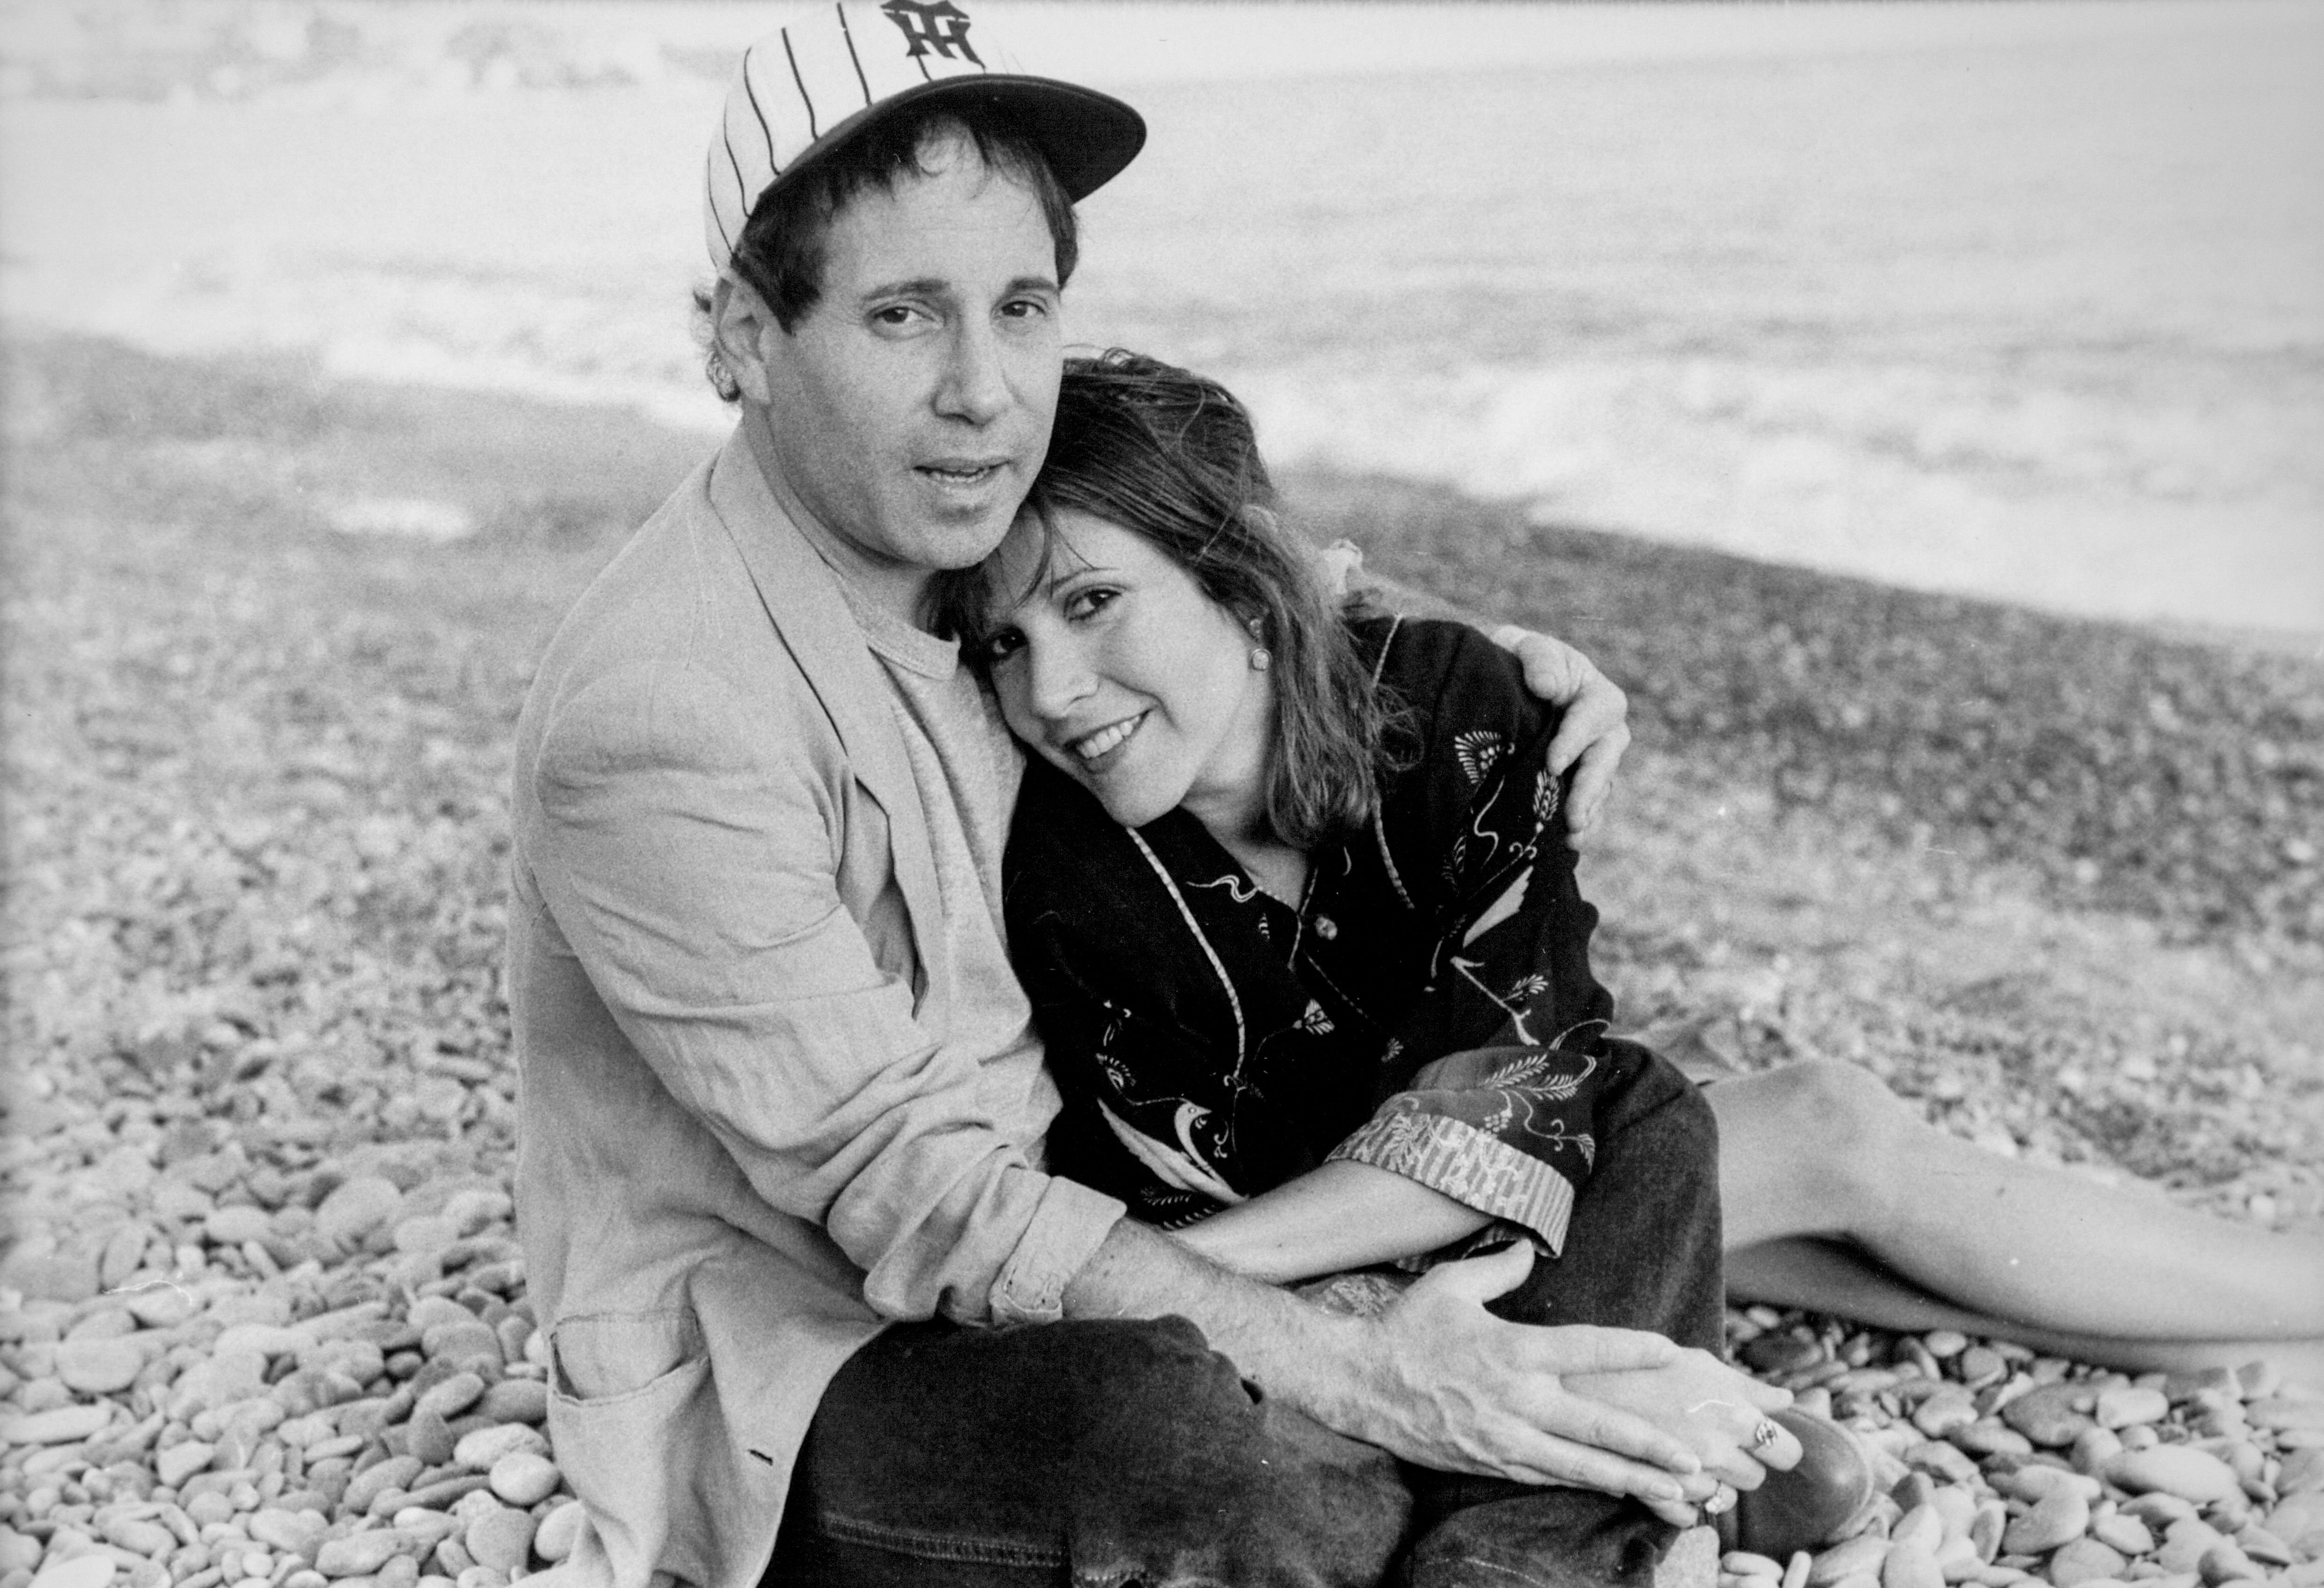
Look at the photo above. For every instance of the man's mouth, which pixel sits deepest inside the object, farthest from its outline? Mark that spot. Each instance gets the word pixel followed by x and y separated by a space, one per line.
pixel 962 472
pixel 1095 751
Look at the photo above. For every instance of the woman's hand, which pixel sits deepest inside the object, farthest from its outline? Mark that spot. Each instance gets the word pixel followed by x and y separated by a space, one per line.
pixel 1452 1387
pixel 1596 725
pixel 1719 1412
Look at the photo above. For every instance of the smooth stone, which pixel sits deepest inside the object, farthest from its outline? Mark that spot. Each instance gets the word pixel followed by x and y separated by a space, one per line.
pixel 139 1537
pixel 2301 1469
pixel 429 1438
pixel 396 1471
pixel 2262 1545
pixel 502 1539
pixel 453 1396
pixel 2037 1479
pixel 181 1461
pixel 1739 1562
pixel 1943 1412
pixel 2124 1532
pixel 99 1367
pixel 471 1210
pixel 359 1555
pixel 524 1479
pixel 2047 1414
pixel 2056 1517
pixel 516 1401
pixel 1782 1353
pixel 1986 1528
pixel 1855 1557
pixel 2128 1405
pixel 2283 1412
pixel 2193 1476
pixel 2093 1448
pixel 478 1451
pixel 2159 1509
pixel 1981 1365
pixel 161 1306
pixel 1991 1436
pixel 1942 1459
pixel 1941 1343
pixel 425 1232
pixel 82 1571
pixel 2223 1562
pixel 269 1340
pixel 59 1425
pixel 468 1345
pixel 355 1209
pixel 428 1527
pixel 482 1576
pixel 1923 1527
pixel 231 1227
pixel 2083 1560
pixel 292 1532
pixel 1911 1565
pixel 2297 1516
pixel 560 1530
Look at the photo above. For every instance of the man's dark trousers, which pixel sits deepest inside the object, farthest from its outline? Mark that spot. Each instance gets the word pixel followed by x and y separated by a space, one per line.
pixel 1104 1453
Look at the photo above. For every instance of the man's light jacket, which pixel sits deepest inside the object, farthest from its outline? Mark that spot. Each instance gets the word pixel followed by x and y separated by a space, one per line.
pixel 746 1141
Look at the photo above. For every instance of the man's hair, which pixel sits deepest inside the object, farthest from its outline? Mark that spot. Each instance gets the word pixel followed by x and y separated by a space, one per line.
pixel 781 251
pixel 1171 457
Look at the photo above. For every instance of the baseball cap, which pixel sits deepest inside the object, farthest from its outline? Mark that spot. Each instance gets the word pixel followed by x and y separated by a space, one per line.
pixel 831 70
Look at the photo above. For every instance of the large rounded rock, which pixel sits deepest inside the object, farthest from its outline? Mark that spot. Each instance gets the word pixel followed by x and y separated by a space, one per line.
pixel 480 1449
pixel 2084 1560
pixel 2196 1476
pixel 359 1555
pixel 99 1367
pixel 231 1227
pixel 2127 1406
pixel 291 1532
pixel 560 1530
pixel 2057 1518
pixel 1855 1557
pixel 524 1479
pixel 62 1425
pixel 502 1539
pixel 516 1401
pixel 453 1396
pixel 357 1207
pixel 1911 1565
pixel 82 1571
pixel 2048 1414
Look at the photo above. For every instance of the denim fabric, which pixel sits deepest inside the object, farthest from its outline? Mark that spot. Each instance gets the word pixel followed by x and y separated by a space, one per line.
pixel 1104 1453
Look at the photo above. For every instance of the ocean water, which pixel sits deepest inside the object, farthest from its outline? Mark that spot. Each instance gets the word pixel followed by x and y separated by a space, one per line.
pixel 2018 300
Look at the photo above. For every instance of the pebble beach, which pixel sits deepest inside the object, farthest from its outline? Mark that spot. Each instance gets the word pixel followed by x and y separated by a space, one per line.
pixel 262 1310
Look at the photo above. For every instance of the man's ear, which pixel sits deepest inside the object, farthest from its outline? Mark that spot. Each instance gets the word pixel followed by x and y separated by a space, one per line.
pixel 741 326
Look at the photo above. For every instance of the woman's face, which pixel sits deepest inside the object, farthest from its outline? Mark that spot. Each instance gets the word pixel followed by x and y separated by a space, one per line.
pixel 1118 671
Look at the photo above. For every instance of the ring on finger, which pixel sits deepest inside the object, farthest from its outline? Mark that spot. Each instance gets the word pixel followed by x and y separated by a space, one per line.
pixel 1765 1435
pixel 1721 1501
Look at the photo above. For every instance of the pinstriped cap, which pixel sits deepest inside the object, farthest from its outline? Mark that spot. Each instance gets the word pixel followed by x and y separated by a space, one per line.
pixel 831 70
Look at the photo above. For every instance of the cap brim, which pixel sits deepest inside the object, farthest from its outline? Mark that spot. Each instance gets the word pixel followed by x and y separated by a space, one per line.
pixel 1086 136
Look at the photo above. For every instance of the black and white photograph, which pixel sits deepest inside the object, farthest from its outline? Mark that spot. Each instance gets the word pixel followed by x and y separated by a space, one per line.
pixel 1161 793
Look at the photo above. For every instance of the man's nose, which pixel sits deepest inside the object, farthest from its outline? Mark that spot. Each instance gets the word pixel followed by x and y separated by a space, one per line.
pixel 975 384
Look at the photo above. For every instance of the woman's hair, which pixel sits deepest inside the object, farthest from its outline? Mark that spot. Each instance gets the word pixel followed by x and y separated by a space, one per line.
pixel 1171 457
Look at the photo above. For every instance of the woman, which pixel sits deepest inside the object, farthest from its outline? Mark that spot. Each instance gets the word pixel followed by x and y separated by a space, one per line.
pixel 1302 929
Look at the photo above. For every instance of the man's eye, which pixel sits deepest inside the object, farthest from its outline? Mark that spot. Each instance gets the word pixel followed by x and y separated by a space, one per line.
pixel 1024 308
pixel 895 315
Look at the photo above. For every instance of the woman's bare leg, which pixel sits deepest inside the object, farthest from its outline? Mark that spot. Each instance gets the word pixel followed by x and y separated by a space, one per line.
pixel 1826 1150
pixel 1834 1277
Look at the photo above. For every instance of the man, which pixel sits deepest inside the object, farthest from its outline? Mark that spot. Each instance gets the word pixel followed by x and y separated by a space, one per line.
pixel 780 1090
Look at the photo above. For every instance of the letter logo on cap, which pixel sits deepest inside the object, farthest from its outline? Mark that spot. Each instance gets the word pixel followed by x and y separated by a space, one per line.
pixel 937 23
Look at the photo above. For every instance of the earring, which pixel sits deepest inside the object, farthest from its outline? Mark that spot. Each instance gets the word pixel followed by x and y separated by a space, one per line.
pixel 1259 659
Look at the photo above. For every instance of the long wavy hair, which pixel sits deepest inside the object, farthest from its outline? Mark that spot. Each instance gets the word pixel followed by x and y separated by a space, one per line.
pixel 1171 456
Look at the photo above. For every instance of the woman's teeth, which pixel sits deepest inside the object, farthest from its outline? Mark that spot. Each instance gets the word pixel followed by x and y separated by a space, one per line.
pixel 1095 746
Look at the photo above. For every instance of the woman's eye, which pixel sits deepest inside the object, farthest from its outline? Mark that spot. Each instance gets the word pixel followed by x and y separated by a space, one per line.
pixel 1000 647
pixel 1090 603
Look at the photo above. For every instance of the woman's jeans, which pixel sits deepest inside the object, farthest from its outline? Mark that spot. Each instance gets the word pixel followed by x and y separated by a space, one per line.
pixel 1105 1452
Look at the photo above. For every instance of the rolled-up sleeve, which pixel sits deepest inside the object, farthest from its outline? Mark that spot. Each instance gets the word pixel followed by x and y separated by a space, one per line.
pixel 691 859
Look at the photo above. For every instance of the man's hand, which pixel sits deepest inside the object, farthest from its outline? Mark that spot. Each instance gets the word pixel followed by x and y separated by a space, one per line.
pixel 1714 1408
pixel 1596 727
pixel 1452 1387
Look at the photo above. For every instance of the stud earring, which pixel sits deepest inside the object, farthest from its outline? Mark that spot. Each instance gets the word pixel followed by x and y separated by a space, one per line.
pixel 1259 659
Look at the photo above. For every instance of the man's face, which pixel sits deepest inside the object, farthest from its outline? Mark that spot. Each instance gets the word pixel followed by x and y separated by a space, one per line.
pixel 909 410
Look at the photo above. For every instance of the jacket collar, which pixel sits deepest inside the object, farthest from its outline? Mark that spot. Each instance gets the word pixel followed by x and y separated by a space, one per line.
pixel 802 598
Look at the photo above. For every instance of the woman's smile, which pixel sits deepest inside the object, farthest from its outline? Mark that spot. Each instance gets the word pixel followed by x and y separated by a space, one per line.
pixel 1118 668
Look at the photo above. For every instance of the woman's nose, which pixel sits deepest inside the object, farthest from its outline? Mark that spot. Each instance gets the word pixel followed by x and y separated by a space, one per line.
pixel 1060 678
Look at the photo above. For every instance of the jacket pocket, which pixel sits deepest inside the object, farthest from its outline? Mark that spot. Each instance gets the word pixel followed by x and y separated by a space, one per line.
pixel 626 1419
